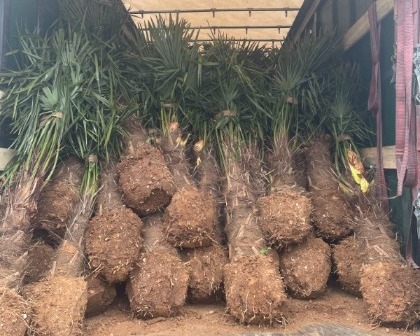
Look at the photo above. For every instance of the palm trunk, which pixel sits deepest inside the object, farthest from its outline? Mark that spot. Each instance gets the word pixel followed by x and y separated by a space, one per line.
pixel 332 216
pixel 388 285
pixel 205 264
pixel 158 284
pixel 16 231
pixel 113 237
pixel 59 301
pixel 189 218
pixel 254 288
pixel 144 179
pixel 286 211
pixel 58 199
pixel 16 234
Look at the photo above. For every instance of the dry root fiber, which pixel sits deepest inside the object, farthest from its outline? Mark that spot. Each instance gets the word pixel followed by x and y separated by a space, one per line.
pixel 285 217
pixel 60 195
pixel 348 258
pixel 392 292
pixel 58 305
pixel 144 178
pixel 306 268
pixel 14 313
pixel 158 284
pixel 190 219
pixel 389 287
pixel 68 261
pixel 332 215
pixel 41 256
pixel 13 258
pixel 300 167
pixel 100 295
pixel 113 242
pixel 254 291
pixel 205 268
pixel 253 286
pixel 205 264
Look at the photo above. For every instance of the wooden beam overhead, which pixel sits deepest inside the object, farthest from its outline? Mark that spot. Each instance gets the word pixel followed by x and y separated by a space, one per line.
pixel 307 18
pixel 361 27
pixel 370 157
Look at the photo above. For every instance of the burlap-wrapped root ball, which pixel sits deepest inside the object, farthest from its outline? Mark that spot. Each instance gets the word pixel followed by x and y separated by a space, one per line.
pixel 306 267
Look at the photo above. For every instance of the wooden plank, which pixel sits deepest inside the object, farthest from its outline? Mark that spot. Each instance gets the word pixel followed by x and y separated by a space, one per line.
pixel 6 155
pixel 307 18
pixel 361 27
pixel 369 157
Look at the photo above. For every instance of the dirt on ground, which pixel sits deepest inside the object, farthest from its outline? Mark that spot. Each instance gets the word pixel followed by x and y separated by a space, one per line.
pixel 335 310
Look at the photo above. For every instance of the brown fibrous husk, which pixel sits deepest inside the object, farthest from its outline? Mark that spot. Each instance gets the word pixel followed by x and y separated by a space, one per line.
pixel 58 305
pixel 157 286
pixel 389 287
pixel 40 259
pixel 13 258
pixel 68 261
pixel 348 259
pixel 14 313
pixel 145 180
pixel 391 291
pixel 285 217
pixel 300 166
pixel 58 198
pixel 306 268
pixel 113 242
pixel 100 295
pixel 254 290
pixel 205 267
pixel 332 216
pixel 190 219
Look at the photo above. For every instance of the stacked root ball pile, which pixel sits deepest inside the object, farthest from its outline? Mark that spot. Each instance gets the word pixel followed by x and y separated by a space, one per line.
pixel 171 179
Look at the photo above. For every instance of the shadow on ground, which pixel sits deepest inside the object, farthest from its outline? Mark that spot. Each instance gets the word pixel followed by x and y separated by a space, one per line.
pixel 318 330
